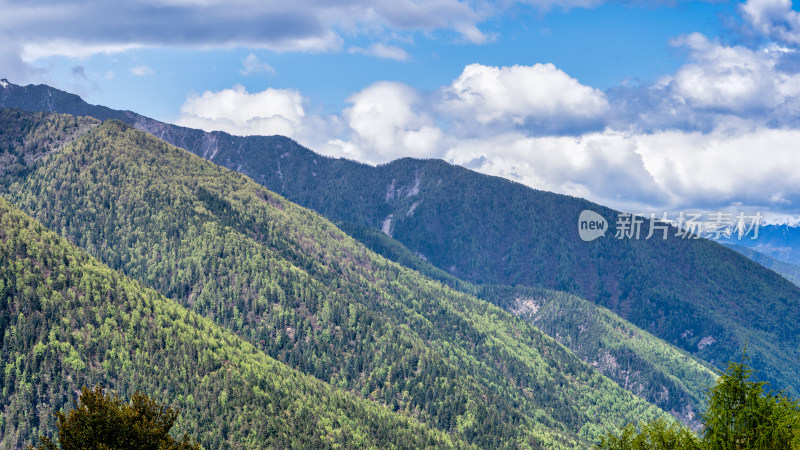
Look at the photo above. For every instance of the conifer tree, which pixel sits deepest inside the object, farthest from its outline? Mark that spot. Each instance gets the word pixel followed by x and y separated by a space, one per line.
pixel 104 421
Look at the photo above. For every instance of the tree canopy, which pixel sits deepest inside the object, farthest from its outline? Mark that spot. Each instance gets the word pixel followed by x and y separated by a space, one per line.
pixel 740 415
pixel 104 421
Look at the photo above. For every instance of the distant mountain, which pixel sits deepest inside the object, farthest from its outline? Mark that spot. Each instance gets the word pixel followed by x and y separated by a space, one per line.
pixel 695 294
pixel 67 321
pixel 781 242
pixel 293 285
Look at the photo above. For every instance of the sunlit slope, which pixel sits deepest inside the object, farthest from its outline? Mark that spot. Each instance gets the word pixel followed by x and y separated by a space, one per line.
pixel 662 374
pixel 66 321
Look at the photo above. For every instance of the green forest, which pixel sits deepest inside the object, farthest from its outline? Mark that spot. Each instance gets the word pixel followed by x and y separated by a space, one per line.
pixel 68 321
pixel 298 289
pixel 741 415
pixel 664 375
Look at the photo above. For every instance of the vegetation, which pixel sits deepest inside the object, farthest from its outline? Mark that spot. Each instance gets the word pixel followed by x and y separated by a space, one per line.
pixel 101 420
pixel 639 362
pixel 788 270
pixel 25 138
pixel 296 287
pixel 740 415
pixel 68 321
pixel 666 376
pixel 694 294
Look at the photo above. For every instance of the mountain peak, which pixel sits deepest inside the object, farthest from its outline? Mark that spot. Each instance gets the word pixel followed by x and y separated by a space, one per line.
pixel 4 82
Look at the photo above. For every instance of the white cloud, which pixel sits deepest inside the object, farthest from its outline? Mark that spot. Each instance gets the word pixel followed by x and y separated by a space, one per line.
pixel 539 95
pixel 380 50
pixel 326 41
pixel 773 18
pixel 472 34
pixel 32 51
pixel 733 79
pixel 386 125
pixel 142 71
pixel 70 28
pixel 252 64
pixel 236 111
pixel 669 170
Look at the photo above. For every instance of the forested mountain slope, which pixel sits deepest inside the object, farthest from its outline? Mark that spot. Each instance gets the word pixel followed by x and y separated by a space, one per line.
pixel 664 375
pixel 288 281
pixel 695 294
pixel 67 321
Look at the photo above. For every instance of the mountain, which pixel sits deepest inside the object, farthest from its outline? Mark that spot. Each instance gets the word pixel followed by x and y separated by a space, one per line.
pixel 695 294
pixel 781 242
pixel 788 270
pixel 641 363
pixel 288 281
pixel 67 321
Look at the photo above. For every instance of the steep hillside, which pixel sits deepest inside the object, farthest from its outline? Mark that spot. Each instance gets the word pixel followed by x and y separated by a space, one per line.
pixel 668 377
pixel 67 321
pixel 292 284
pixel 695 294
pixel 665 376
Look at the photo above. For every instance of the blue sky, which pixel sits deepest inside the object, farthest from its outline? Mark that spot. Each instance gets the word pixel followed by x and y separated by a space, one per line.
pixel 644 106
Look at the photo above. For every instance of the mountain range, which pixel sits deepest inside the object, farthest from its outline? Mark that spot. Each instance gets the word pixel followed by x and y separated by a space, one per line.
pixel 300 291
pixel 652 315
pixel 778 241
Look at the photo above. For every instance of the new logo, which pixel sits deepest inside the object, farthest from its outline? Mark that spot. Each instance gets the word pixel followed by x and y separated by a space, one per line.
pixel 591 225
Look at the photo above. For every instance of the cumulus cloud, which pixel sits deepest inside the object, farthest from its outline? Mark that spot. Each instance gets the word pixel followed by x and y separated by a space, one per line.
pixel 720 87
pixel 387 126
pixel 773 18
pixel 380 50
pixel 252 64
pixel 669 170
pixel 236 111
pixel 539 96
pixel 735 79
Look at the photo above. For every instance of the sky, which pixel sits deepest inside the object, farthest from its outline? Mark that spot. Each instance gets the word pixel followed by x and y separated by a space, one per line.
pixel 644 106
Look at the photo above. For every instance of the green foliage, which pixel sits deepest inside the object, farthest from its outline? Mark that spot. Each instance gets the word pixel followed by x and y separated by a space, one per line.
pixel 641 363
pixel 788 270
pixel 666 376
pixel 104 421
pixel 25 138
pixel 657 435
pixel 299 289
pixel 68 321
pixel 694 294
pixel 740 416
